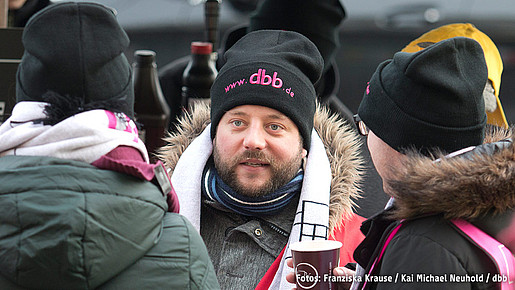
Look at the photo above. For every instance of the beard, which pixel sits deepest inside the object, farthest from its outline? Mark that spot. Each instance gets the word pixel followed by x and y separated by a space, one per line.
pixel 281 172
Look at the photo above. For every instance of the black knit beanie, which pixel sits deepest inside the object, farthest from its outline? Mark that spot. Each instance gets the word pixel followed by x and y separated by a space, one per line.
pixel 318 20
pixel 271 68
pixel 76 50
pixel 429 100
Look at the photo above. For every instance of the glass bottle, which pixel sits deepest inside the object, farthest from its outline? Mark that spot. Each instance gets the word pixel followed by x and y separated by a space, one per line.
pixel 150 107
pixel 199 74
pixel 211 15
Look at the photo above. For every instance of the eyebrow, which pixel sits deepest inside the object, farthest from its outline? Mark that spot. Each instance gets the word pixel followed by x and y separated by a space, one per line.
pixel 269 116
pixel 237 113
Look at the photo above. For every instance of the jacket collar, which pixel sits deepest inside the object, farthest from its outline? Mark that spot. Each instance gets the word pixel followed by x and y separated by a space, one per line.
pixel 458 187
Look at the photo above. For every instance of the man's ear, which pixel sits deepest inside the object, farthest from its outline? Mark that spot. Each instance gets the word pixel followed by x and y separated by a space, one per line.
pixel 304 153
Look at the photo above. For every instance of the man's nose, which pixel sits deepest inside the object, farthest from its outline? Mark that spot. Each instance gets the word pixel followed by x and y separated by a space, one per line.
pixel 254 138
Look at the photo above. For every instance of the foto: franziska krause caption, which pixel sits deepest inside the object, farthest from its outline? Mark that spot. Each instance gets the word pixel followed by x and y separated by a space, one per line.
pixel 419 278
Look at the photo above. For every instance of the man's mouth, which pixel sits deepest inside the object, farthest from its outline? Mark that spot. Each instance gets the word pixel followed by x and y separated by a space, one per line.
pixel 254 163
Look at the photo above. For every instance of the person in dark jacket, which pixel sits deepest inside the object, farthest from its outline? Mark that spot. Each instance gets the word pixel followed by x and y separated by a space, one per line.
pixel 320 22
pixel 262 165
pixel 20 11
pixel 81 206
pixel 417 108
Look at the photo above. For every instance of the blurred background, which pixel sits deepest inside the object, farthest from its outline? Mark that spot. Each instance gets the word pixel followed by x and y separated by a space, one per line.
pixel 371 33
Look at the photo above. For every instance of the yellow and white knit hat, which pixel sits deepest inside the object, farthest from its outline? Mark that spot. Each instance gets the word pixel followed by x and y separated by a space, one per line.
pixel 492 58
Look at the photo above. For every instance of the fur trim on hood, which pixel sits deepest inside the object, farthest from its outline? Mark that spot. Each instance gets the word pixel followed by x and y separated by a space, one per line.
pixel 341 142
pixel 457 187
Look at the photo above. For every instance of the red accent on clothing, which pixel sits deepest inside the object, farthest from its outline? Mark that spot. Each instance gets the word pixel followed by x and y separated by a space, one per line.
pixel 270 274
pixel 348 233
pixel 128 160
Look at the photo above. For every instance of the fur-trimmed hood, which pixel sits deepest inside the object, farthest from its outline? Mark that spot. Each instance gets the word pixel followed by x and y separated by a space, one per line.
pixel 458 187
pixel 341 142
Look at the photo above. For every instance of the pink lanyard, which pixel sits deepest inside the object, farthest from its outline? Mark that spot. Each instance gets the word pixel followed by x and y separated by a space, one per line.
pixel 378 258
pixel 503 258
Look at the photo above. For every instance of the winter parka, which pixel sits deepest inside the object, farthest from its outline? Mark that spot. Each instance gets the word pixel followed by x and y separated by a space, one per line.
pixel 342 148
pixel 69 225
pixel 428 251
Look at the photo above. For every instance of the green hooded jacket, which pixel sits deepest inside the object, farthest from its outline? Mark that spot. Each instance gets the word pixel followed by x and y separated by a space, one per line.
pixel 69 225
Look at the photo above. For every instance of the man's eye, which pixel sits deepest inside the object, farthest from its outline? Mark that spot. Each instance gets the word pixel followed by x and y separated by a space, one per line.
pixel 237 123
pixel 275 127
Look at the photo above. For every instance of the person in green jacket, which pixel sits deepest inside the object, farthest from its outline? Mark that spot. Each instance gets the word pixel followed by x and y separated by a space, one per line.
pixel 81 207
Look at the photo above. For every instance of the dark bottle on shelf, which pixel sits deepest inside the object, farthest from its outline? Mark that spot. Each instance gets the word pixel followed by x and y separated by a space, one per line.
pixel 150 107
pixel 211 15
pixel 199 74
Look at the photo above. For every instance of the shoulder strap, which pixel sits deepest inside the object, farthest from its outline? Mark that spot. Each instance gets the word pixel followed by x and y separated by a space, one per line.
pixel 500 255
pixel 383 249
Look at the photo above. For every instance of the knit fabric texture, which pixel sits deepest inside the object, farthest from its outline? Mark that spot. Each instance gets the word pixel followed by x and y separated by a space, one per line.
pixel 429 100
pixel 495 113
pixel 76 50
pixel 271 68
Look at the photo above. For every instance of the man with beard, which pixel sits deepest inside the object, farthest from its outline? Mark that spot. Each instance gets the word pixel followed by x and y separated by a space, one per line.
pixel 261 166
